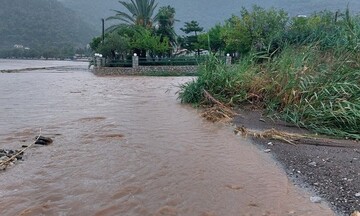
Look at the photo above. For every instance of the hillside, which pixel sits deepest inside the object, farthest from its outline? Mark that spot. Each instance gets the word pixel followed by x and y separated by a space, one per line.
pixel 206 12
pixel 38 24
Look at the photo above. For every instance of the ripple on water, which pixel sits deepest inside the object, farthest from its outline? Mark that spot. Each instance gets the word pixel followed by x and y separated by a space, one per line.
pixel 127 147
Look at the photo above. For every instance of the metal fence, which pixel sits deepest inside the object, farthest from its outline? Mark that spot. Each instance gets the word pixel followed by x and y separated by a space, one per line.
pixel 178 61
pixel 119 63
pixel 171 61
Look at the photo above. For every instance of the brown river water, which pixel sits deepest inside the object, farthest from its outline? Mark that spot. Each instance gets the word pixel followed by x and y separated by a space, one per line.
pixel 126 146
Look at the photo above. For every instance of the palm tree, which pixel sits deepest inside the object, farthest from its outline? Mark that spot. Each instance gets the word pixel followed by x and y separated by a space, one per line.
pixel 165 27
pixel 141 12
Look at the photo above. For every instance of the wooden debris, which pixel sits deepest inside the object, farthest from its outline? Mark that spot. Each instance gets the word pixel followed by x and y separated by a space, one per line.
pixel 5 163
pixel 218 111
pixel 271 134
pixel 293 138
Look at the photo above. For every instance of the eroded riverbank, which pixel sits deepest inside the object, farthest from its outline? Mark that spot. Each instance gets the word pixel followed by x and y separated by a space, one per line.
pixel 125 146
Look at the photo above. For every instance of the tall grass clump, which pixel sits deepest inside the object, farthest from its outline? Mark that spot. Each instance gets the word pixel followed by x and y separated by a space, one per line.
pixel 229 84
pixel 311 79
pixel 316 90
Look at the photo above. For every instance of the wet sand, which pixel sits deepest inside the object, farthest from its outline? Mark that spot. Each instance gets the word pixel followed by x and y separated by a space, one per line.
pixel 329 168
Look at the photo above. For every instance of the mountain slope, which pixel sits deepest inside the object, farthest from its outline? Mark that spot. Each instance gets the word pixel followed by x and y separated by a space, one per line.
pixel 206 12
pixel 41 23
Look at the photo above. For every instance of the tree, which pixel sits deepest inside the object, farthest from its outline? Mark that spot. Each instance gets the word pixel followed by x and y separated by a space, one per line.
pixel 115 46
pixel 237 38
pixel 143 39
pixel 306 30
pixel 264 26
pixel 192 26
pixel 166 20
pixel 140 12
pixel 95 43
pixel 192 41
pixel 258 29
pixel 212 40
pixel 138 26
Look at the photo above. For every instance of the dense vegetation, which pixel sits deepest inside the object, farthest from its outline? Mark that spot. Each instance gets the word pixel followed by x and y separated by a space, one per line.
pixel 216 11
pixel 45 26
pixel 304 70
pixel 143 29
pixel 149 32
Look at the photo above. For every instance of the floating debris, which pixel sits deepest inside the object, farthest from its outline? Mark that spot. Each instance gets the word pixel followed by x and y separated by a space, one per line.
pixel 7 153
pixel 9 156
pixel 41 140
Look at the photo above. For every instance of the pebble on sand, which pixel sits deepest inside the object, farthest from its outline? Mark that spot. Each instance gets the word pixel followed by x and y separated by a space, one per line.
pixel 267 150
pixel 315 199
pixel 312 164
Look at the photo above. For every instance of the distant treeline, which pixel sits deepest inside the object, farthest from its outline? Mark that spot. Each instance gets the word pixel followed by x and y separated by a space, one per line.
pixel 216 11
pixel 48 52
pixel 40 28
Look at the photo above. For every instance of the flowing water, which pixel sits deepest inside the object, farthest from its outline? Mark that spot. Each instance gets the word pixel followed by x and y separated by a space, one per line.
pixel 126 146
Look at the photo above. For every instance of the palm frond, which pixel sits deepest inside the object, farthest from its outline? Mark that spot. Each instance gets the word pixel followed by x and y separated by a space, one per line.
pixel 139 12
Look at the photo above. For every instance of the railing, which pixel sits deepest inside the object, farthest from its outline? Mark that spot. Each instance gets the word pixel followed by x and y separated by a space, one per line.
pixel 119 63
pixel 179 61
pixel 171 61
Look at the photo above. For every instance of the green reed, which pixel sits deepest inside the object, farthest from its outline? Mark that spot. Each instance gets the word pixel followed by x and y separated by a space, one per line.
pixel 313 82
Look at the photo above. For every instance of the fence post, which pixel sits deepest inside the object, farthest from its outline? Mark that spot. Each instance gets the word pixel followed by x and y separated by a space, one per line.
pixel 98 62
pixel 103 62
pixel 228 59
pixel 135 61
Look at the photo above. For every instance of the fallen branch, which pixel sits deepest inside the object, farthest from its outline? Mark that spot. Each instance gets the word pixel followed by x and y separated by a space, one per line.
pixel 218 103
pixel 218 111
pixel 295 139
pixel 271 134
pixel 215 114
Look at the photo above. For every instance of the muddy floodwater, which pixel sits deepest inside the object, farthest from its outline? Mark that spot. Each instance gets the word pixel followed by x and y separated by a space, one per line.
pixel 126 146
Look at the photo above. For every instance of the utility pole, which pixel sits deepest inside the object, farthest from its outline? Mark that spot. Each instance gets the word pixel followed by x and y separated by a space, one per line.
pixel 103 30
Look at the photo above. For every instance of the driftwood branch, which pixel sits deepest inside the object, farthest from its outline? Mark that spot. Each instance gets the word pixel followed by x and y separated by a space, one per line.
pixel 271 134
pixel 295 139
